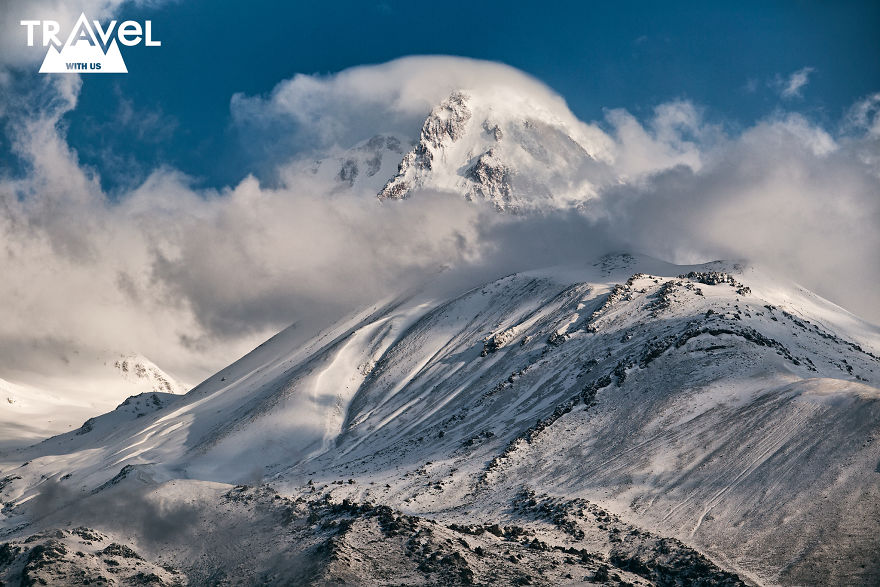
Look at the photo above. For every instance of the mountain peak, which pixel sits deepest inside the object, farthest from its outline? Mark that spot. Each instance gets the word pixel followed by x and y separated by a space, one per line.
pixel 141 371
pixel 447 121
pixel 516 156
pixel 444 125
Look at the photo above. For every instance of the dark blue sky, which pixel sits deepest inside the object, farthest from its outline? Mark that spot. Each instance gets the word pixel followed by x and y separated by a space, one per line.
pixel 722 56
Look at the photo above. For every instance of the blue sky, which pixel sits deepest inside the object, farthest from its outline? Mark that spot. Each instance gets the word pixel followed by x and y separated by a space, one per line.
pixel 733 59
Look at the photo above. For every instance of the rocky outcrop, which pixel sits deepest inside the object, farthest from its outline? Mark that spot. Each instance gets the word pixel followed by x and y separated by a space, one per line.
pixel 491 180
pixel 445 124
pixel 81 556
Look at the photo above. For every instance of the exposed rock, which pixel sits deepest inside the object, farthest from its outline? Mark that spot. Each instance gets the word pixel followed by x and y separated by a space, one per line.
pixel 349 171
pixel 491 180
pixel 446 123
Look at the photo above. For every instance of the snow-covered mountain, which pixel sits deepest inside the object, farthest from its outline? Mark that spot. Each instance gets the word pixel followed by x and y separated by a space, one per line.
pixel 517 162
pixel 35 408
pixel 625 420
pixel 516 153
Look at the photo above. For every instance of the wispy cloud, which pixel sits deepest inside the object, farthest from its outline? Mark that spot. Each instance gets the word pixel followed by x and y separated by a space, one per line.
pixel 791 86
pixel 864 115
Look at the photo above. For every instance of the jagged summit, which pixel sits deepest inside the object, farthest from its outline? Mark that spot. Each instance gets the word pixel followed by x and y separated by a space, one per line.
pixel 444 126
pixel 517 153
pixel 516 157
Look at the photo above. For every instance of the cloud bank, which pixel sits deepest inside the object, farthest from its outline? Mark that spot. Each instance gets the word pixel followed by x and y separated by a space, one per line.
pixel 193 278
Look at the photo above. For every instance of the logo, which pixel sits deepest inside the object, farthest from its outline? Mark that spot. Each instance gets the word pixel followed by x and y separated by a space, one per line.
pixel 90 48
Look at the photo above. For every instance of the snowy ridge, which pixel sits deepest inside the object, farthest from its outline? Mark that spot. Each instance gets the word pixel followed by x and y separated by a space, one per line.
pixel 142 372
pixel 35 409
pixel 712 404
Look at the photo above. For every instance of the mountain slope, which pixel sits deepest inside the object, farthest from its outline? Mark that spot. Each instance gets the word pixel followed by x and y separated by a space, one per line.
pixel 37 408
pixel 712 404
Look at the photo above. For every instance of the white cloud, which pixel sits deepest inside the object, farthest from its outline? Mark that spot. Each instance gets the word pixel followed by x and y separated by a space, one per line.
pixel 864 115
pixel 861 127
pixel 318 112
pixel 791 87
pixel 674 136
pixel 783 194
